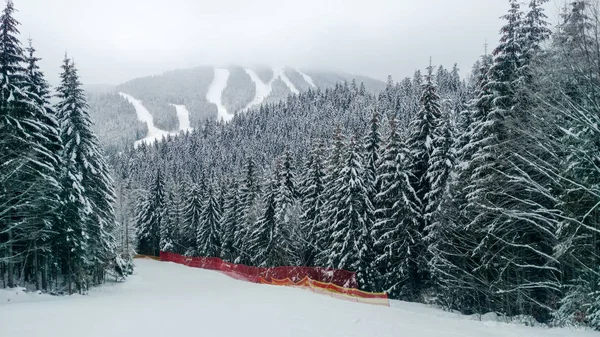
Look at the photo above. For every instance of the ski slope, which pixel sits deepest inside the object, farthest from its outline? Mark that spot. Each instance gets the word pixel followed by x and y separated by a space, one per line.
pixel 215 93
pixel 280 73
pixel 263 90
pixel 183 116
pixel 165 299
pixel 155 133
pixel 307 79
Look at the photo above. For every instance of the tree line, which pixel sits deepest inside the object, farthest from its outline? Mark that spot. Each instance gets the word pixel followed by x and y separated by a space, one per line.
pixel 478 194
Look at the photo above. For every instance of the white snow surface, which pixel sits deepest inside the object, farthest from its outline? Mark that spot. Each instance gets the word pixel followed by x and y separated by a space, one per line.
pixel 155 133
pixel 215 93
pixel 307 79
pixel 183 115
pixel 263 90
pixel 280 73
pixel 166 299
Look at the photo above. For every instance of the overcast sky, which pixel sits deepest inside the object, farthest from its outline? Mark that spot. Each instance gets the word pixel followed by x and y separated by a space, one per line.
pixel 115 40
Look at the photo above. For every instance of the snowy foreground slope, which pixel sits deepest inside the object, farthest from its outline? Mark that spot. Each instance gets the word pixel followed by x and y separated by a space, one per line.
pixel 165 299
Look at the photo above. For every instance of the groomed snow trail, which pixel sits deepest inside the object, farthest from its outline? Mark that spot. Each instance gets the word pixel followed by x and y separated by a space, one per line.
pixel 280 72
pixel 166 299
pixel 263 90
pixel 145 116
pixel 307 79
pixel 215 93
pixel 183 115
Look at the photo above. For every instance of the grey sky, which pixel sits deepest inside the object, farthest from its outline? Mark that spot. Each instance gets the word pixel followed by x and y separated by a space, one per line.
pixel 116 40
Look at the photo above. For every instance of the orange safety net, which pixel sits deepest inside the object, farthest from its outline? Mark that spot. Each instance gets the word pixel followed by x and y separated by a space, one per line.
pixel 333 282
pixel 333 290
pixel 140 256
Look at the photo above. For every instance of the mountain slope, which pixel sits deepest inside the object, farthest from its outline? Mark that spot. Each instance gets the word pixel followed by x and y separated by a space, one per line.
pixel 211 93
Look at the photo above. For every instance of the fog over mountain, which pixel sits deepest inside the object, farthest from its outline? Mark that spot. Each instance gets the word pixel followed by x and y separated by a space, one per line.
pixel 113 41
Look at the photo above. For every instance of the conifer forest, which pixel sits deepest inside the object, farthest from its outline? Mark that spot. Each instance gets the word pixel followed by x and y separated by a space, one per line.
pixel 475 190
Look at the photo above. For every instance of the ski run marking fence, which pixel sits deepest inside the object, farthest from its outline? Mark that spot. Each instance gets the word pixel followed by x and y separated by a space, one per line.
pixel 140 256
pixel 336 283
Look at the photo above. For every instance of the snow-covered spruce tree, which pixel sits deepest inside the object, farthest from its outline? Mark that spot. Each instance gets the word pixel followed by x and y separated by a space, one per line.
pixel 288 210
pixel 28 155
pixel 231 221
pixel 536 32
pixel 397 226
pixel 569 104
pixel 352 241
pixel 489 133
pixel 208 236
pixel 441 165
pixel 313 186
pixel 372 154
pixel 421 144
pixel 168 229
pixel 516 249
pixel 151 215
pixel 175 212
pixel 441 162
pixel 267 240
pixel 455 280
pixel 192 216
pixel 388 98
pixel 329 213
pixel 84 165
pixel 574 40
pixel 249 198
pixel 124 210
pixel 44 166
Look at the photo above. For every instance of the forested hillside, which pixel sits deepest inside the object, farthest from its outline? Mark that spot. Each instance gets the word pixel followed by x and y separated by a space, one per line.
pixel 117 126
pixel 477 194
pixel 208 93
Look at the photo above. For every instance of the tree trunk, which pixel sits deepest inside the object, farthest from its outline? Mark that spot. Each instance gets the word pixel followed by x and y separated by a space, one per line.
pixel 2 274
pixel 44 264
pixel 69 272
pixel 127 238
pixel 36 267
pixel 11 275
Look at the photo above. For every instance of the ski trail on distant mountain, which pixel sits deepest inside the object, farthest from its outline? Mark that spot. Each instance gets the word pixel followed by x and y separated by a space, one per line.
pixel 263 90
pixel 307 79
pixel 215 93
pixel 144 115
pixel 183 115
pixel 280 72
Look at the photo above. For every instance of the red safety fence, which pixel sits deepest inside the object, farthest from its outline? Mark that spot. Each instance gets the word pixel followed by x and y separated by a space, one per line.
pixel 334 282
pixel 342 278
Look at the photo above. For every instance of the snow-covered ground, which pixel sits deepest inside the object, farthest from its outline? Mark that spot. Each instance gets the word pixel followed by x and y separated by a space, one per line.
pixel 215 93
pixel 166 299
pixel 183 115
pixel 155 133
